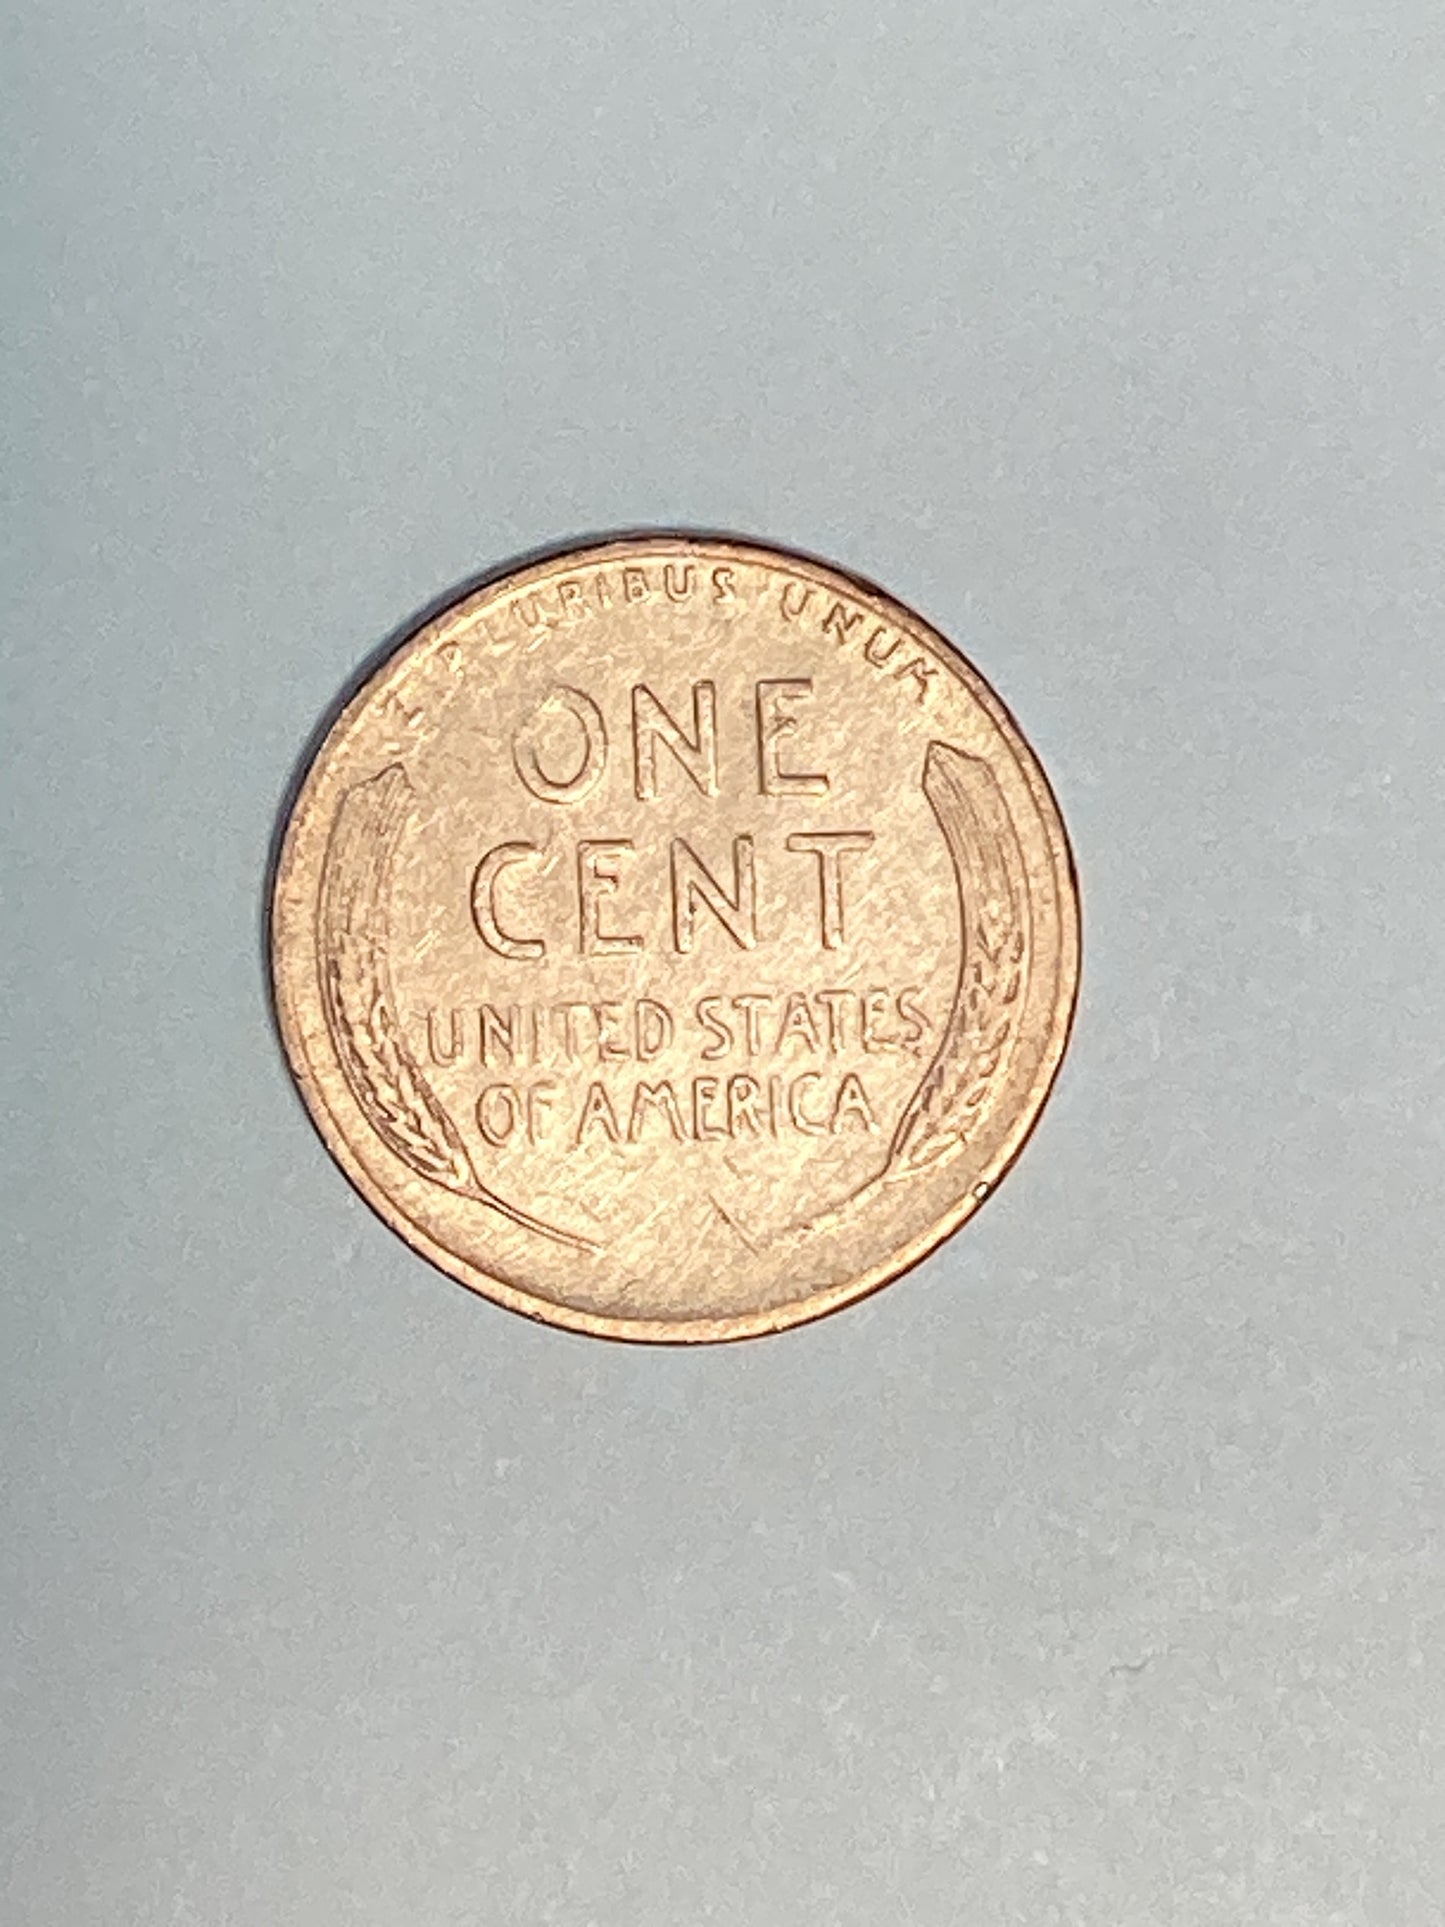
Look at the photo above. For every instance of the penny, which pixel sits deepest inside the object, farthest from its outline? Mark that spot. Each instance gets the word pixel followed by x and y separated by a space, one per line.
pixel 675 939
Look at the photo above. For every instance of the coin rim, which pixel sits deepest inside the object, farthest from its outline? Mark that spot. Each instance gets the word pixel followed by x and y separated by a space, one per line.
pixel 741 551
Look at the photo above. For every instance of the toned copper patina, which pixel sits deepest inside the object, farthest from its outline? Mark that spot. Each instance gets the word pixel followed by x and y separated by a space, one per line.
pixel 675 939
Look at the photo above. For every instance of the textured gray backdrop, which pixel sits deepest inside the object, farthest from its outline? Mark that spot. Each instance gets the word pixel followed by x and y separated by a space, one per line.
pixel 1095 1573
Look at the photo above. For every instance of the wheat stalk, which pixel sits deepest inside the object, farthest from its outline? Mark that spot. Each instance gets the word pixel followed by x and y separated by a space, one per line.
pixel 353 940
pixel 983 1023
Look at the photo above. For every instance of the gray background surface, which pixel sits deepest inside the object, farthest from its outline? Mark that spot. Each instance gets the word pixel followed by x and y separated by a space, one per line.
pixel 1093 1574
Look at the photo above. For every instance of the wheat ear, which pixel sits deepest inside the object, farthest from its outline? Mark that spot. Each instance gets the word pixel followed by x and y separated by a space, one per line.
pixel 353 939
pixel 982 1027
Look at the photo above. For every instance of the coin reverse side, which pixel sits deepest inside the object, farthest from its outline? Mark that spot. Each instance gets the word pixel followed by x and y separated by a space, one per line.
pixel 675 939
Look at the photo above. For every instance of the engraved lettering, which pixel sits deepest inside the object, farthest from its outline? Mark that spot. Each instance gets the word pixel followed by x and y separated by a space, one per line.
pixel 809 1126
pixel 760 1025
pixel 650 1098
pixel 634 584
pixel 744 1096
pixel 836 1003
pixel 722 586
pixel 652 1028
pixel 797 1025
pixel 704 1095
pixel 499 1034
pixel 540 1099
pixel 852 1105
pixel 794 599
pixel 484 904
pixel 526 747
pixel 530 613
pixel 830 847
pixel 653 724
pixel 720 1034
pixel 880 656
pixel 611 1041
pixel 394 704
pixel 875 1006
pixel 922 672
pixel 572 1015
pixel 914 1017
pixel 840 624
pixel 499 1111
pixel 750 1009
pixel 598 874
pixel 458 1039
pixel 693 884
pixel 678 591
pixel 775 701
pixel 597 1109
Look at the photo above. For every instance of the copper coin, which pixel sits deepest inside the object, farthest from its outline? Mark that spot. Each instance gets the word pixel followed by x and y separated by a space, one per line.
pixel 675 939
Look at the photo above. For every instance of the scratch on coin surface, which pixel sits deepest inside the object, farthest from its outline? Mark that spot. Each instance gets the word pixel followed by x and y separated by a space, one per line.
pixel 731 1222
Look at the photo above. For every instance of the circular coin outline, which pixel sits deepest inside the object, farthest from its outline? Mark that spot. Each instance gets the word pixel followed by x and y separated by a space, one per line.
pixel 535 568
